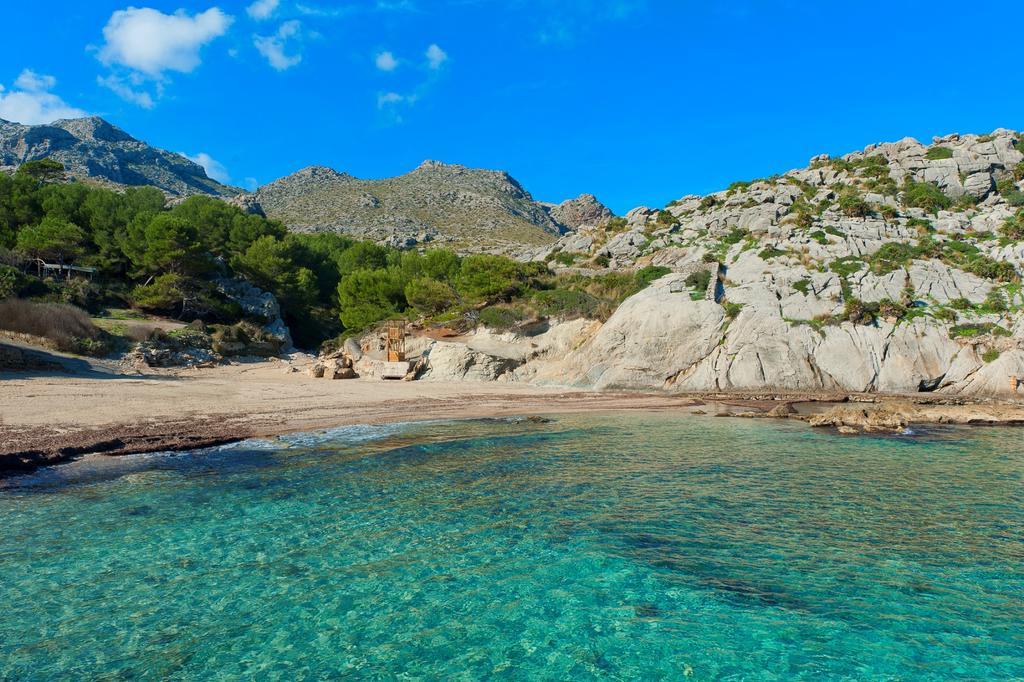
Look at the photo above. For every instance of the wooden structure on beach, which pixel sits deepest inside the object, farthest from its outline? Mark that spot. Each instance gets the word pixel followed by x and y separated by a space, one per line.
pixel 395 364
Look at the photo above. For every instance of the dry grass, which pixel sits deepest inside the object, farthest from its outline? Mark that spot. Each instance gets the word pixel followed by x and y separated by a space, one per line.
pixel 64 325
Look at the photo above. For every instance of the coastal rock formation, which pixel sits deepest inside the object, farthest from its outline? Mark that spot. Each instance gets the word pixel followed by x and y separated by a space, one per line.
pixel 94 150
pixel 895 270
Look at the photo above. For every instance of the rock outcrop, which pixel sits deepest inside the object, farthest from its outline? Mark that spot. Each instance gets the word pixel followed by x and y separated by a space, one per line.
pixel 583 210
pixel 891 270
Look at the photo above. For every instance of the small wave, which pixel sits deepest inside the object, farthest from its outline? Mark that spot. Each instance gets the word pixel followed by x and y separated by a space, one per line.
pixel 354 433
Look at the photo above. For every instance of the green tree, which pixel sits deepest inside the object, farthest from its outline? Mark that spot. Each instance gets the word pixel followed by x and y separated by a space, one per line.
pixel 440 264
pixel 488 278
pixel 429 296
pixel 165 244
pixel 53 238
pixel 319 253
pixel 226 230
pixel 271 264
pixel 363 256
pixel 368 296
pixel 43 170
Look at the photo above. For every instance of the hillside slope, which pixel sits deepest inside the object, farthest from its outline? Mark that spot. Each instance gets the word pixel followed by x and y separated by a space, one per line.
pixel 93 149
pixel 467 208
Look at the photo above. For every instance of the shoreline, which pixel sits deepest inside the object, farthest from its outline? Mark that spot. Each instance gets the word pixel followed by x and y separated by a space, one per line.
pixel 47 419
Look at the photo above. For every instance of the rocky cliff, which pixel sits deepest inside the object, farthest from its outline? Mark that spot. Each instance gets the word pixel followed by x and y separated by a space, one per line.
pixel 93 149
pixel 892 269
pixel 466 208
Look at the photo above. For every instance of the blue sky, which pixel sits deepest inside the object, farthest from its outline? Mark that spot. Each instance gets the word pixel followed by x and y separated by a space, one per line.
pixel 638 102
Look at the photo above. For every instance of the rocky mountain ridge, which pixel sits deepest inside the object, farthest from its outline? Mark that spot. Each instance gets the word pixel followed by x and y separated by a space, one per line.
pixel 465 208
pixel 469 209
pixel 94 150
pixel 893 269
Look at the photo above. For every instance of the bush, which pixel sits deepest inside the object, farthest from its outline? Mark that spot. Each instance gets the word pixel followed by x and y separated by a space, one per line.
pixel 1013 227
pixel 698 281
pixel 851 204
pixel 11 281
pixel 69 328
pixel 666 218
pixel 429 296
pixel 166 294
pixel 995 302
pixel 892 256
pixel 565 258
pixel 925 195
pixel 990 355
pixel 565 303
pixel 770 252
pixel 938 153
pixel 501 317
pixel 976 329
pixel 646 275
pixel 732 309
pixel 846 266
pixel 859 312
pixel 887 308
pixel 488 278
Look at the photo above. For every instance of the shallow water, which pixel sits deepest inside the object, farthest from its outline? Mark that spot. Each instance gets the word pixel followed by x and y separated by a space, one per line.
pixel 620 546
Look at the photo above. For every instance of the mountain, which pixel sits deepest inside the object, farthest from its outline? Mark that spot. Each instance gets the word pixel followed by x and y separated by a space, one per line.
pixel 92 149
pixel 463 207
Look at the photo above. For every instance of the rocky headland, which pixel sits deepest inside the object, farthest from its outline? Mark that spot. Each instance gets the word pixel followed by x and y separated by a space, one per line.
pixel 890 270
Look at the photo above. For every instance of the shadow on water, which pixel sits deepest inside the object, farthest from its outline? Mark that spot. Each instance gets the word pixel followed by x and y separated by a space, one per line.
pixel 669 557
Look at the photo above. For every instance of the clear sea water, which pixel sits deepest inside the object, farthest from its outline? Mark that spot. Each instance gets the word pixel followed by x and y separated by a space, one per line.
pixel 621 547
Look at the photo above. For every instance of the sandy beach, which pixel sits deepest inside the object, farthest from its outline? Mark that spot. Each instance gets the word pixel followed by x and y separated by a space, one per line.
pixel 50 417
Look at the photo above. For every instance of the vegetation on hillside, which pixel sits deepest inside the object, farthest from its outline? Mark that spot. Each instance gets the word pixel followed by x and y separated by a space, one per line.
pixel 169 260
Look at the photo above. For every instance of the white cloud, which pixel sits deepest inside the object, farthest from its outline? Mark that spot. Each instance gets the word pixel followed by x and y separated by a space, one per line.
pixel 273 47
pixel 32 102
pixel 214 168
pixel 386 61
pixel 262 9
pixel 251 184
pixel 124 89
pixel 387 99
pixel 151 42
pixel 34 82
pixel 436 56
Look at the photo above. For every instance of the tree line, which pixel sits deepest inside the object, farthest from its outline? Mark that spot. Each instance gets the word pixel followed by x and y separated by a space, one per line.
pixel 166 260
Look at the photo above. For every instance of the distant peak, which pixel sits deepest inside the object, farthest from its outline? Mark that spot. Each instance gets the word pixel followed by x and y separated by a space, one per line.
pixel 430 164
pixel 321 172
pixel 93 128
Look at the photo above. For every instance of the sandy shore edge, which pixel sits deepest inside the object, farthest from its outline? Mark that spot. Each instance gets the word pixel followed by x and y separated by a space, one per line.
pixel 47 419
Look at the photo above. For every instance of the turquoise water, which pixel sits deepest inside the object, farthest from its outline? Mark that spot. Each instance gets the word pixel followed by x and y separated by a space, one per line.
pixel 626 547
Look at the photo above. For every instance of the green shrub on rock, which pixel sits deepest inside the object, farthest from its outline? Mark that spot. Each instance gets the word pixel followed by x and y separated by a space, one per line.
pixel 925 195
pixel 939 153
